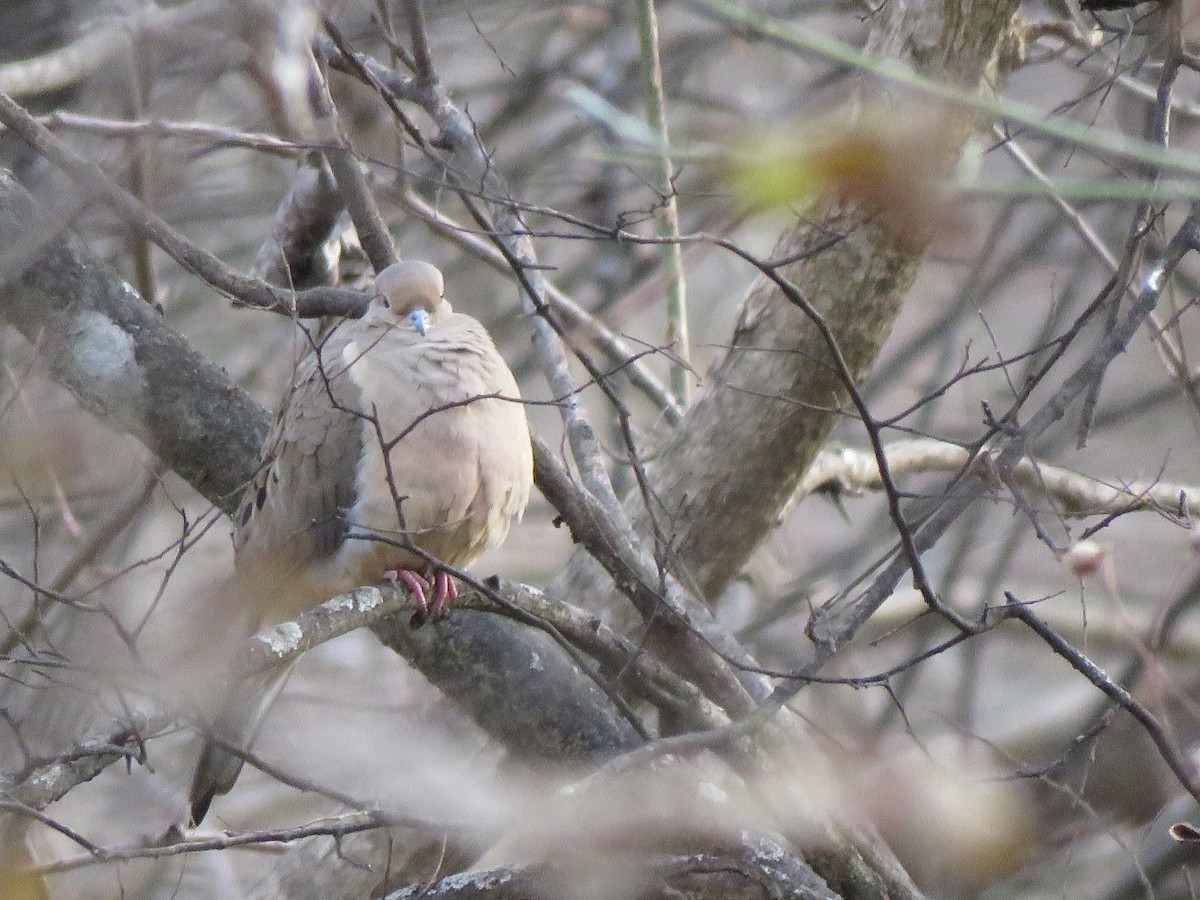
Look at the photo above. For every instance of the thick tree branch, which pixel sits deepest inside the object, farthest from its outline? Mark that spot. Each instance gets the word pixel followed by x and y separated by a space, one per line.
pixel 296 255
pixel 762 867
pixel 113 351
pixel 767 407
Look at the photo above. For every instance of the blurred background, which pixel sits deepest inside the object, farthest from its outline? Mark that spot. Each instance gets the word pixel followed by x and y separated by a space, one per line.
pixel 968 761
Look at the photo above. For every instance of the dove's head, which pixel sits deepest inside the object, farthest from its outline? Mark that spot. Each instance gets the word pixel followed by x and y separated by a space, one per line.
pixel 411 291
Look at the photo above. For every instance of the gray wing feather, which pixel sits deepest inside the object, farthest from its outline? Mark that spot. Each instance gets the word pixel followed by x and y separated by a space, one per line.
pixel 295 511
pixel 293 514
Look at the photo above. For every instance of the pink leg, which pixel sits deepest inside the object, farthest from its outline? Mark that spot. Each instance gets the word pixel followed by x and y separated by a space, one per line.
pixel 418 586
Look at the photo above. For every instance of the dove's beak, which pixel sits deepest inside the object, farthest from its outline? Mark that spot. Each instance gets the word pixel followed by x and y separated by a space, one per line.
pixel 420 320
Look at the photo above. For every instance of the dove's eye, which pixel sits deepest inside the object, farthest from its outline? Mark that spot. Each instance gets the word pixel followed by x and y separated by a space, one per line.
pixel 383 298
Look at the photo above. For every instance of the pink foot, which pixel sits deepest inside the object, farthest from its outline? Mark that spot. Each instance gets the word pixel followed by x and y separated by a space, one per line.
pixel 445 592
pixel 418 586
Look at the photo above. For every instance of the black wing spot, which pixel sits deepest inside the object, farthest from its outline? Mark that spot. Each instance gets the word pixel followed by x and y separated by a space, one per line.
pixel 261 498
pixel 245 514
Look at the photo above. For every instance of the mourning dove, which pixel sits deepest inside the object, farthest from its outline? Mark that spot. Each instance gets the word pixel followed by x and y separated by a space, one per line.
pixel 403 429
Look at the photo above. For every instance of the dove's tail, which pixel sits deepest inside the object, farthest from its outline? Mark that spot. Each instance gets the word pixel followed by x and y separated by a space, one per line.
pixel 235 727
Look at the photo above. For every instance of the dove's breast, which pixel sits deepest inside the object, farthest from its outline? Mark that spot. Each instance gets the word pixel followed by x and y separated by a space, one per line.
pixel 445 429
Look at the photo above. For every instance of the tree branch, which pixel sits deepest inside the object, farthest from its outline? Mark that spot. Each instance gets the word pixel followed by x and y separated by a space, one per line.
pixel 766 409
pixel 94 181
pixel 113 351
pixel 849 470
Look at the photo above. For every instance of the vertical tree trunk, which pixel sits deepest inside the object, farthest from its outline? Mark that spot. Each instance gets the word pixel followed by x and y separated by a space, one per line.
pixel 723 478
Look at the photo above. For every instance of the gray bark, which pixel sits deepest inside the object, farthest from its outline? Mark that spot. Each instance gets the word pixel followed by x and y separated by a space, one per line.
pixel 767 407
pixel 114 352
pixel 734 461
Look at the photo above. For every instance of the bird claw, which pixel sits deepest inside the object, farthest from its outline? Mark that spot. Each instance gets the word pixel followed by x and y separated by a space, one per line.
pixel 415 583
pixel 445 592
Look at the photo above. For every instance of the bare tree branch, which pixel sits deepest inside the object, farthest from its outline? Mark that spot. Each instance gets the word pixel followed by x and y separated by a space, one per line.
pixel 763 867
pixel 758 422
pixel 118 357
pixel 846 469
pixel 93 180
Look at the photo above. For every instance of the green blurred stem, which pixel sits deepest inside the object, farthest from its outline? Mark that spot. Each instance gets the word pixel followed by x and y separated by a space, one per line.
pixel 750 24
pixel 668 217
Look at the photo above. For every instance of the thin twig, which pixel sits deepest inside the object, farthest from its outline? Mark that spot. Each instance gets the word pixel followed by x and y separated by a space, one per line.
pixel 1147 214
pixel 668 213
pixel 472 169
pixel 579 323
pixel 1180 766
pixel 336 827
pixel 104 534
pixel 360 199
pixel 200 132
pixel 415 13
pixel 93 179
pixel 837 621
